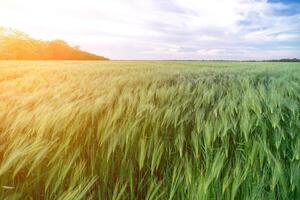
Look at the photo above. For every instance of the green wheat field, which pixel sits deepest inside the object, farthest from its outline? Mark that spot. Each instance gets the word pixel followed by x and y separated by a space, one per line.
pixel 149 130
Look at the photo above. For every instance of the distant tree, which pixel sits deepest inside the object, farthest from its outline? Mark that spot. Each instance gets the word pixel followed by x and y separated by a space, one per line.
pixel 284 60
pixel 16 45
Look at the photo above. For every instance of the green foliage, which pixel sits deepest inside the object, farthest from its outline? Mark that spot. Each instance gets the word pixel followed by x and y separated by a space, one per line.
pixel 149 130
pixel 16 45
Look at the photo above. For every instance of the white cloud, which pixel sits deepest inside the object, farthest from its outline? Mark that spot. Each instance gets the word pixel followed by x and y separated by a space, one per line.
pixel 169 29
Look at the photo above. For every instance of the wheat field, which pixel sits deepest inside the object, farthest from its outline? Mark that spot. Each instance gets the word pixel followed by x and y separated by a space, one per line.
pixel 149 130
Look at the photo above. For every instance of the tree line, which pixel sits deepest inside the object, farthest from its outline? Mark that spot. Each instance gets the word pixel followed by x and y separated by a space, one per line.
pixel 16 45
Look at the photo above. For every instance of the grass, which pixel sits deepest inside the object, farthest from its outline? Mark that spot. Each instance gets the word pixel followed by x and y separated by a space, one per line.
pixel 149 130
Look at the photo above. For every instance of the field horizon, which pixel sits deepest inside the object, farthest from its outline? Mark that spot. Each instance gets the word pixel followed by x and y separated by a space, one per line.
pixel 150 100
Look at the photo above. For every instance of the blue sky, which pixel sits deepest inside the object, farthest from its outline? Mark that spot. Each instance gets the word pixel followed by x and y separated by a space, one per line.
pixel 164 29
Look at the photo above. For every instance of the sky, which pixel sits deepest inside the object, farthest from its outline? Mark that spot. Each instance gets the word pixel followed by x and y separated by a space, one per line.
pixel 164 29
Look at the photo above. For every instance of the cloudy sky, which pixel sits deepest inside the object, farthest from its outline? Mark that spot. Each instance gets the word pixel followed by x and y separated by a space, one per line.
pixel 164 29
